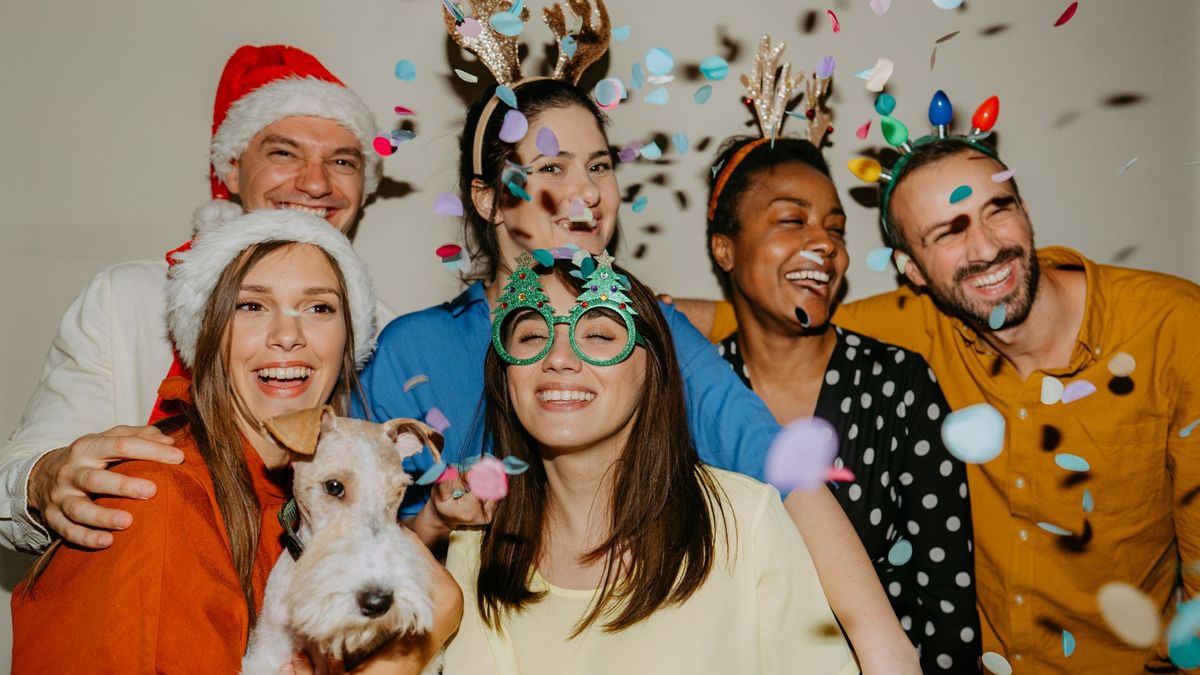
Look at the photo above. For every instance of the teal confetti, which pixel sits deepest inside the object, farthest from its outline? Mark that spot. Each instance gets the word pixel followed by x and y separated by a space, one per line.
pixel 543 257
pixel 432 474
pixel 714 68
pixel 1054 529
pixel 996 318
pixel 519 191
pixel 865 74
pixel 1068 643
pixel 639 204
pixel 651 151
pixel 506 94
pixel 960 193
pixel 637 79
pixel 507 23
pixel 406 70
pixel 514 465
pixel 885 103
pixel 658 96
pixel 680 140
pixel 659 61
pixel 702 94
pixel 568 44
pixel 1183 635
pixel 1187 431
pixel 1089 502
pixel 1071 462
pixel 621 33
pixel 900 553
pixel 878 258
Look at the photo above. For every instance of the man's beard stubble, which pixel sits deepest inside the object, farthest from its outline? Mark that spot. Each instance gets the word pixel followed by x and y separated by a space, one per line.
pixel 953 301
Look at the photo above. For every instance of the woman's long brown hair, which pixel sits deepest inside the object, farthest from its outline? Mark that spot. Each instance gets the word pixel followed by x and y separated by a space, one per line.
pixel 662 537
pixel 212 415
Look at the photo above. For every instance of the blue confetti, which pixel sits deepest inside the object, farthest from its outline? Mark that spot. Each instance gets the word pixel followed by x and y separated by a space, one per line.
pixel 651 151
pixel 680 140
pixel 960 193
pixel 885 103
pixel 406 70
pixel 659 61
pixel 702 94
pixel 638 78
pixel 639 204
pixel 514 465
pixel 519 191
pixel 1183 635
pixel 900 553
pixel 1054 529
pixel 1071 462
pixel 714 68
pixel 567 44
pixel 506 94
pixel 878 258
pixel 507 23
pixel 997 317
pixel 432 474
pixel 621 33
pixel 1089 502
pixel 1068 643
pixel 1187 431
pixel 658 96
pixel 974 434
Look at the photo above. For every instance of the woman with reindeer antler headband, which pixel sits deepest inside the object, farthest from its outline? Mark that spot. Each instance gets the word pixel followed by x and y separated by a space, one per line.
pixel 562 196
pixel 777 241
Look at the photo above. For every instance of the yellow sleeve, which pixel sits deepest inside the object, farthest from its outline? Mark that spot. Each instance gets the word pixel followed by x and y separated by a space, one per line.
pixel 901 317
pixel 724 321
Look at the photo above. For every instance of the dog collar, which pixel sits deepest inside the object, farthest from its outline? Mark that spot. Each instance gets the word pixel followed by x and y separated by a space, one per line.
pixel 289 518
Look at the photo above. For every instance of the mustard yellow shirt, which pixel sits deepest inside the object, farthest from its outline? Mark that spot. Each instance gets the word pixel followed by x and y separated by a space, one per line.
pixel 761 610
pixel 1134 432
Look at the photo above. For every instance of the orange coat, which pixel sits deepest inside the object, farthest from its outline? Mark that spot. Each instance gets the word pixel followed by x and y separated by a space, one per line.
pixel 164 597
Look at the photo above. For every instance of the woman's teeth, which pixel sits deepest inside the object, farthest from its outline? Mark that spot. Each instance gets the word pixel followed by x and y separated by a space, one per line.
pixel 993 278
pixel 294 373
pixel 808 275
pixel 560 395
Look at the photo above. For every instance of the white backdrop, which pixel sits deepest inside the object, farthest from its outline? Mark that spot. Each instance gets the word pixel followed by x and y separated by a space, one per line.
pixel 106 109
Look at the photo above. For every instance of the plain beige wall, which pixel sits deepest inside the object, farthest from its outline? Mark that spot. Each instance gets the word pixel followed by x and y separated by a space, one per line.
pixel 106 114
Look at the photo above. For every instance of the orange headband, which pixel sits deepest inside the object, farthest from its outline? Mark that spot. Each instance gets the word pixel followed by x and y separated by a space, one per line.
pixel 727 171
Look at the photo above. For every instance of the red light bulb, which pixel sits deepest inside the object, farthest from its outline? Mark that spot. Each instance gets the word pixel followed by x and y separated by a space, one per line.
pixel 985 115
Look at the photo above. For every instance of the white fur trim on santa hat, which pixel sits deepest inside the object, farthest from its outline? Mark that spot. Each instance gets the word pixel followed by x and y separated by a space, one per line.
pixel 191 280
pixel 295 97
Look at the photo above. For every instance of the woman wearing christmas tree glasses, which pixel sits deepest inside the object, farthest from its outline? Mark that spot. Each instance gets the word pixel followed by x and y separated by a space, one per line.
pixel 618 550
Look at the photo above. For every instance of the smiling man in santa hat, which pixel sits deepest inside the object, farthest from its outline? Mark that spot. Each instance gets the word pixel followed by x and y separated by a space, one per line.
pixel 286 134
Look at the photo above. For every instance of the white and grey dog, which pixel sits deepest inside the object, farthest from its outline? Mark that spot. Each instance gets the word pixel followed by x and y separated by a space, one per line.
pixel 360 579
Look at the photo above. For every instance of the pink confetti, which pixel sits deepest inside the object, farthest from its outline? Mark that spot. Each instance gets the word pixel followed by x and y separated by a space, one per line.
pixel 547 142
pixel 1003 176
pixel 448 475
pixel 801 455
pixel 437 419
pixel 447 251
pixel 514 127
pixel 383 145
pixel 842 475
pixel 448 204
pixel 837 25
pixel 470 28
pixel 1077 390
pixel 488 479
pixel 1066 15
pixel 401 110
pixel 863 130
pixel 880 7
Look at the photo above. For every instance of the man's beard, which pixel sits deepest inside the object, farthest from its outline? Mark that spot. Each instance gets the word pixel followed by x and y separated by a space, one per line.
pixel 953 300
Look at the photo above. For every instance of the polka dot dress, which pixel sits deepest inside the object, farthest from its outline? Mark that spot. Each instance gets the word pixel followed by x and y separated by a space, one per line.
pixel 908 501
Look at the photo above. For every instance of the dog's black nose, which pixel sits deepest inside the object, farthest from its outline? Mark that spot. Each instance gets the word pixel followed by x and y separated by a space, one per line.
pixel 374 601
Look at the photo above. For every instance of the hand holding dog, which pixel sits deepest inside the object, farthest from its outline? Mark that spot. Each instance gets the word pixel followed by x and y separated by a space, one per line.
pixel 64 482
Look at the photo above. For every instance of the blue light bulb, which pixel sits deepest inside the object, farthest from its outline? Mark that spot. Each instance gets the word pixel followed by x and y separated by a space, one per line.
pixel 940 110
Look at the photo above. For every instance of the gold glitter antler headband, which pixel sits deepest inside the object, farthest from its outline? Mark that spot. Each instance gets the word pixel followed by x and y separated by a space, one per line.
pixel 497 51
pixel 589 43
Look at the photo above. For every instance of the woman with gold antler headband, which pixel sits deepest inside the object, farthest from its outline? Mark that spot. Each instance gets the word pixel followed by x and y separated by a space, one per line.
pixel 536 172
pixel 777 240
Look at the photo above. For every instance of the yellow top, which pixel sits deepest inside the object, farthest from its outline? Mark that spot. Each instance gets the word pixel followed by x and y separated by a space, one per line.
pixel 1135 433
pixel 761 610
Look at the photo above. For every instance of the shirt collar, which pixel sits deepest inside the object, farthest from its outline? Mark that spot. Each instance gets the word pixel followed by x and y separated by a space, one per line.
pixel 475 293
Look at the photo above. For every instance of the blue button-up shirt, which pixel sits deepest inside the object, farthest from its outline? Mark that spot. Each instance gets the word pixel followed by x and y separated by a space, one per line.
pixel 731 427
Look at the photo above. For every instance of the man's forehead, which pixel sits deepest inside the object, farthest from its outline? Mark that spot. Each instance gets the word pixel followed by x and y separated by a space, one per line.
pixel 311 130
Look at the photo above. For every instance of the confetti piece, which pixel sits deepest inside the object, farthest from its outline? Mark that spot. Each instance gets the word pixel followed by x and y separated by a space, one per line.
pixel 813 256
pixel 900 552
pixel 608 92
pixel 465 76
pixel 997 317
pixel 567 45
pixel 801 455
pixel 401 110
pixel 947 37
pixel 902 261
pixel 864 74
pixel 454 10
pixel 880 74
pixel 880 7
pixel 1052 390
pixel 383 145
pixel 825 67
pixel 1089 502
pixel 865 169
pixel 448 251
pixel 432 474
pixel 843 474
pixel 621 33
pixel 863 130
pixel 514 127
pixel 716 167
pixel 659 61
pixel 519 191
pixel 515 172
pixel 933 57
pixel 1077 390
pixel 974 434
pixel 507 23
pixel 514 465
pixel 1121 364
pixel 680 140
pixel 702 94
pixel 651 151
pixel 885 103
pixel 401 136
pixel 488 479
pixel 547 142
pixel 1129 614
pixel 506 94
pixel 544 258
pixel 639 204
pixel 1068 643
pixel 1187 431
pixel 578 212
pixel 470 28
pixel 1067 14
pixel 714 68
pixel 451 473
pixel 437 419
pixel 996 663
pixel 833 20
pixel 658 96
pixel 638 78
pixel 948 4
pixel 878 258
pixel 1002 176
pixel 414 382
pixel 1071 462
pixel 960 193
pixel 1183 635
pixel 406 70
pixel 1054 529
pixel 448 204
pixel 1127 165
pixel 628 153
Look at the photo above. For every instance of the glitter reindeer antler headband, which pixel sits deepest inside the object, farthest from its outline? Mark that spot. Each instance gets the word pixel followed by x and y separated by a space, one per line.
pixel 492 36
pixel 769 94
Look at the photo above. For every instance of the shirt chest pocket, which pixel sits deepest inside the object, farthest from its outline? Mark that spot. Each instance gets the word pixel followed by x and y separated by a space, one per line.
pixel 1123 467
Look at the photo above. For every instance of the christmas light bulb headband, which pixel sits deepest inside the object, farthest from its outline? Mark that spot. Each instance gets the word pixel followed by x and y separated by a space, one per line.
pixel 491 34
pixel 941 113
pixel 769 97
pixel 524 299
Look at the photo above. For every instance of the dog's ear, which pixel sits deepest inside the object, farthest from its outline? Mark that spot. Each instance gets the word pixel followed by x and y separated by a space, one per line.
pixel 298 431
pixel 410 436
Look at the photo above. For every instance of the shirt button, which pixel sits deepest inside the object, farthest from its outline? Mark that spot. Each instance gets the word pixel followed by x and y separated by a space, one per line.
pixel 1020 599
pixel 1019 482
pixel 1023 535
pixel 1017 657
pixel 1022 413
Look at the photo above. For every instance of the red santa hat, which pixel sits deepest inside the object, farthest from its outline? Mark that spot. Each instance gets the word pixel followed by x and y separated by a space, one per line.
pixel 262 85
pixel 221 237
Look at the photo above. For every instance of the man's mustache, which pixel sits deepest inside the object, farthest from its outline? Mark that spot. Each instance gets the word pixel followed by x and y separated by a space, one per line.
pixel 1003 256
